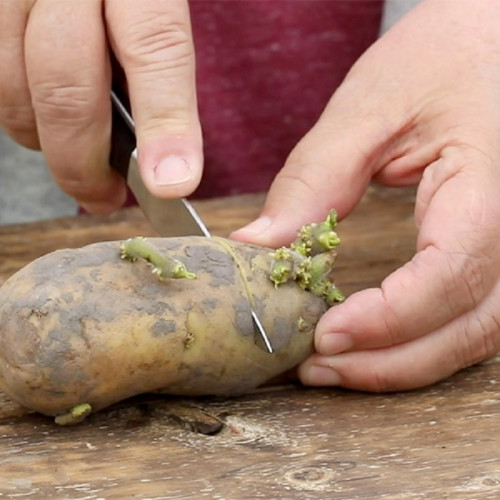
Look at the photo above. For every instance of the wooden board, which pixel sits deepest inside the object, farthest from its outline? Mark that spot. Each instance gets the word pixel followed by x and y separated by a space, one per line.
pixel 280 442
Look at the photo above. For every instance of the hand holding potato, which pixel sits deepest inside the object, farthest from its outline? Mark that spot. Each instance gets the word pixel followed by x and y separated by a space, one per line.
pixel 55 84
pixel 421 106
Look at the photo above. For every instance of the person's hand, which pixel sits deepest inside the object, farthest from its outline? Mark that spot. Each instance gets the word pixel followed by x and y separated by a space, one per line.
pixel 421 106
pixel 55 91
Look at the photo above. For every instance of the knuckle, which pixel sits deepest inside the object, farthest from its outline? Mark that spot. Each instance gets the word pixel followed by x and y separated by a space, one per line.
pixel 477 340
pixel 380 380
pixel 379 384
pixel 468 278
pixel 89 186
pixel 298 187
pixel 70 105
pixel 462 278
pixel 80 188
pixel 157 47
pixel 387 377
pixel 177 121
pixel 392 324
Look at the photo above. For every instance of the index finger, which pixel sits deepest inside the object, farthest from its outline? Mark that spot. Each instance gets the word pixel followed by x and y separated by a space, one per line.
pixel 16 112
pixel 152 41
pixel 68 75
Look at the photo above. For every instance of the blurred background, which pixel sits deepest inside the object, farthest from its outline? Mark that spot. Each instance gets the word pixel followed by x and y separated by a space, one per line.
pixel 27 191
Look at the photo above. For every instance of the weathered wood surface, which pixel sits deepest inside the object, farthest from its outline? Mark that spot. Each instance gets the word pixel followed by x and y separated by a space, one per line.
pixel 282 442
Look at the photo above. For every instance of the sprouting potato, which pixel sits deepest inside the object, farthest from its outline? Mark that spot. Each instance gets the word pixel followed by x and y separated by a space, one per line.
pixel 81 329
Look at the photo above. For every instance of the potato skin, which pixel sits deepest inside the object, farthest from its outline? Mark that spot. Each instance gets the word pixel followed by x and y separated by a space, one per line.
pixel 84 326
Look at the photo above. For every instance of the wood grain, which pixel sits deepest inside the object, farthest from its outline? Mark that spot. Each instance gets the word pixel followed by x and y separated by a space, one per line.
pixel 280 442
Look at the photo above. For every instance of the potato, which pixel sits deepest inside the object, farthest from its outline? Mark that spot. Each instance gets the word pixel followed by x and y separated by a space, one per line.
pixel 85 326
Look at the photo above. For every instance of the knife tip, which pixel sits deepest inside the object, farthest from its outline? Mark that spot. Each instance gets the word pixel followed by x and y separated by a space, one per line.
pixel 262 332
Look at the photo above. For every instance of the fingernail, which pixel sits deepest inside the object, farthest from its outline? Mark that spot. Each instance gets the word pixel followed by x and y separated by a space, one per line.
pixel 334 343
pixel 322 376
pixel 258 226
pixel 172 170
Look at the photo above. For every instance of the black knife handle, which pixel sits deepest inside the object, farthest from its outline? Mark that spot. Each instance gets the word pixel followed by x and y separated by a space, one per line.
pixel 123 140
pixel 122 144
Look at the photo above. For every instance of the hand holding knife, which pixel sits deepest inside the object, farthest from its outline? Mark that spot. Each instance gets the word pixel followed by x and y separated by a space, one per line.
pixel 170 217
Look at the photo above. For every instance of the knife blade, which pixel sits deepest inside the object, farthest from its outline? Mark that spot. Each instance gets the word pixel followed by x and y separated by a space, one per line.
pixel 170 217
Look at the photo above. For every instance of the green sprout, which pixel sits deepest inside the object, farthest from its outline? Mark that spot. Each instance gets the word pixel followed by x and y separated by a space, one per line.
pixel 74 415
pixel 163 266
pixel 309 260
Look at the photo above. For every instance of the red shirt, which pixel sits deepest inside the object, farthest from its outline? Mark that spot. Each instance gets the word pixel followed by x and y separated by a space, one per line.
pixel 265 71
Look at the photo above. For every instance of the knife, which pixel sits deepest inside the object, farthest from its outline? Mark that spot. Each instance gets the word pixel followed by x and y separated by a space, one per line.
pixel 170 217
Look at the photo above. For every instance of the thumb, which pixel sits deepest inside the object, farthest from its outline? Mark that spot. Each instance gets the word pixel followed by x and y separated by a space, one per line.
pixel 153 42
pixel 330 168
